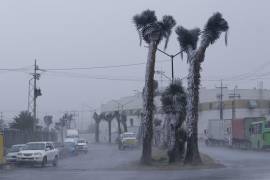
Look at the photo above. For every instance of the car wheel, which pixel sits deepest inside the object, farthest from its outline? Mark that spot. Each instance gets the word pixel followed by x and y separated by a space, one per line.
pixel 55 161
pixel 44 162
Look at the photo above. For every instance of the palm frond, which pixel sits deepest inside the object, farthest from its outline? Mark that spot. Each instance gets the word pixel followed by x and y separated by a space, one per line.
pixel 143 19
pixel 174 90
pixel 150 29
pixel 187 37
pixel 215 25
pixel 167 24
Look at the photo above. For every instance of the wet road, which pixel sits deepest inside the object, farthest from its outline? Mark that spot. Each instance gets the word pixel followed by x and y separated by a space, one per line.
pixel 104 162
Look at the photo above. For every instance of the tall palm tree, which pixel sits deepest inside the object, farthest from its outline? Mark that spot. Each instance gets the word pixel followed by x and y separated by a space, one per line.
pixel 124 121
pixel 174 103
pixel 188 39
pixel 152 32
pixel 109 117
pixel 118 119
pixel 97 119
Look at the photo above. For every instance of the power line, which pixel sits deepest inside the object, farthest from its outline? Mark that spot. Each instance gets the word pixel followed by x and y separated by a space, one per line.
pixel 240 77
pixel 100 67
pixel 16 69
pixel 248 74
pixel 85 76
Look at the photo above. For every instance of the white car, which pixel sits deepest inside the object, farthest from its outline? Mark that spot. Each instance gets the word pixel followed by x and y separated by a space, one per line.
pixel 11 156
pixel 128 140
pixel 82 145
pixel 38 153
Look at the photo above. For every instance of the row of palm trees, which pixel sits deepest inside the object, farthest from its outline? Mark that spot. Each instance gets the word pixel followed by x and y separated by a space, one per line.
pixel 109 117
pixel 152 31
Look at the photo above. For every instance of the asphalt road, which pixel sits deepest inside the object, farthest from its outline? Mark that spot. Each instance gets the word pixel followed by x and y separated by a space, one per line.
pixel 104 162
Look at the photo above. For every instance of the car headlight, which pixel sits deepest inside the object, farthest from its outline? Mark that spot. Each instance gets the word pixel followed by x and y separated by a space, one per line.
pixel 38 154
pixel 19 154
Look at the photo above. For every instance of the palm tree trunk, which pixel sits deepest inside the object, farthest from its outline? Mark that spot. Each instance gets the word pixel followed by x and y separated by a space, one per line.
pixel 110 130
pixel 124 123
pixel 97 132
pixel 178 139
pixel 119 127
pixel 192 153
pixel 172 138
pixel 62 135
pixel 148 97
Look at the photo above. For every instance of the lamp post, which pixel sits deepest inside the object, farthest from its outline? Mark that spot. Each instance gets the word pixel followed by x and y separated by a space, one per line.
pixel 172 56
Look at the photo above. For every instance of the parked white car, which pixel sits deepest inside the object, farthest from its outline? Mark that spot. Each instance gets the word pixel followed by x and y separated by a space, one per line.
pixel 11 156
pixel 38 153
pixel 82 145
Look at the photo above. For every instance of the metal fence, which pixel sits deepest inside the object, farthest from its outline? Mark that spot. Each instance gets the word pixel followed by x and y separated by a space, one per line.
pixel 14 136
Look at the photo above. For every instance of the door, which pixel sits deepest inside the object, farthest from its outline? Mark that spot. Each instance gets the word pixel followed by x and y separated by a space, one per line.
pixel 256 136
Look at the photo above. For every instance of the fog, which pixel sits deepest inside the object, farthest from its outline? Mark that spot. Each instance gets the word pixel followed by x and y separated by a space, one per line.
pixel 88 54
pixel 68 34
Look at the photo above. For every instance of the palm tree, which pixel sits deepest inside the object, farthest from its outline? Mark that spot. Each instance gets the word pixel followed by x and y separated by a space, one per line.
pixel 109 117
pixel 188 39
pixel 97 119
pixel 118 119
pixel 152 32
pixel 124 121
pixel 23 121
pixel 174 103
pixel 48 121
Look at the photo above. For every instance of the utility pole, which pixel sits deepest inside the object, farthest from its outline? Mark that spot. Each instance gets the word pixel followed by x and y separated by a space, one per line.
pixel 220 96
pixel 233 96
pixel 30 96
pixel 36 93
pixel 35 99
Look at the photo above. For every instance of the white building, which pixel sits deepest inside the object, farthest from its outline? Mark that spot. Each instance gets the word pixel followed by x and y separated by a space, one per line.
pixel 251 103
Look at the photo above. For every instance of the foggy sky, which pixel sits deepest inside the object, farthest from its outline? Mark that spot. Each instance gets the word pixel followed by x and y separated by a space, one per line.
pixel 83 33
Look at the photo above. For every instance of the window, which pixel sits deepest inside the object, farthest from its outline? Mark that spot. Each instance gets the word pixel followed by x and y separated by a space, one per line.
pixel 252 104
pixel 267 124
pixel 256 129
pixel 49 145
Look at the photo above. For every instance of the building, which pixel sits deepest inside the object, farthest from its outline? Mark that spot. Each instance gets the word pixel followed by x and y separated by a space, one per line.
pixel 239 103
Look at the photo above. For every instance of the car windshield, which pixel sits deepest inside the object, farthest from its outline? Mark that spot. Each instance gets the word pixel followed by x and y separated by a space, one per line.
pixel 81 141
pixel 129 135
pixel 34 146
pixel 57 145
pixel 16 148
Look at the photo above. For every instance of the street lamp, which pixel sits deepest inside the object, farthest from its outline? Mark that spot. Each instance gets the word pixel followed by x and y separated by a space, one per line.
pixel 172 56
